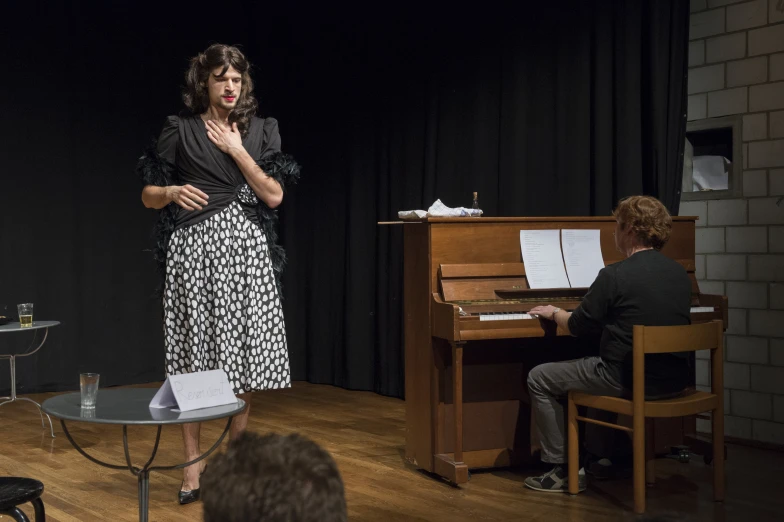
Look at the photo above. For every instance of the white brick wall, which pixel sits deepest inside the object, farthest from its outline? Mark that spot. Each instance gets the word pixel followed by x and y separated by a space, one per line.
pixel 698 107
pixel 738 427
pixel 776 12
pixel 767 431
pixel 766 268
pixel 696 208
pixel 748 295
pixel 776 182
pixel 776 239
pixel 704 79
pixel 736 66
pixel 737 321
pixel 746 239
pixel 747 349
pixel 709 240
pixel 777 296
pixel 761 41
pixel 755 126
pixel 697 52
pixel 737 376
pixel 727 212
pixel 747 15
pixel 755 183
pixel 777 124
pixel 778 408
pixel 708 24
pixel 726 267
pixel 769 323
pixel 776 66
pixel 721 48
pixel 777 352
pixel 766 211
pixel 730 101
pixel 747 72
pixel 767 379
pixel 767 153
pixel 752 405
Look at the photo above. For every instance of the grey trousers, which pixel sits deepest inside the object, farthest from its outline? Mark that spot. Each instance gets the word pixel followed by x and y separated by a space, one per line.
pixel 549 384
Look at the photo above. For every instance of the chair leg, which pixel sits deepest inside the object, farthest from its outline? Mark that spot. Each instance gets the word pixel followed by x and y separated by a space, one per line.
pixel 17 514
pixel 573 446
pixel 40 512
pixel 717 422
pixel 638 445
pixel 650 451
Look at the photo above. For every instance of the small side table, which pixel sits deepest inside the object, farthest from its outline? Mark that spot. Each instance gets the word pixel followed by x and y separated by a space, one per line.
pixel 15 327
pixel 129 407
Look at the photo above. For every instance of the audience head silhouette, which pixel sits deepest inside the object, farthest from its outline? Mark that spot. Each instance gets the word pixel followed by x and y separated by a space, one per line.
pixel 273 478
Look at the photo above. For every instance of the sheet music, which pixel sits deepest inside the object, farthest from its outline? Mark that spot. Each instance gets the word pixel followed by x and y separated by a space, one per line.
pixel 582 253
pixel 544 267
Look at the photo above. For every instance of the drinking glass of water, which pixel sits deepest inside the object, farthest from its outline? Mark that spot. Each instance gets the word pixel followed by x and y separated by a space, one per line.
pixel 89 385
pixel 25 314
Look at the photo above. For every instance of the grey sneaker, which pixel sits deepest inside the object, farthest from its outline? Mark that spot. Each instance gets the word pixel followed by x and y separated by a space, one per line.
pixel 555 480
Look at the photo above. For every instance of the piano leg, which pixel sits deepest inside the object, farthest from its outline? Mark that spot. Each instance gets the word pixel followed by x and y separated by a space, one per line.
pixel 452 466
pixel 457 394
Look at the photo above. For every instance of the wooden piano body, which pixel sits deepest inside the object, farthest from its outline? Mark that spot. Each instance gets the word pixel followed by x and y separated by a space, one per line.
pixel 466 396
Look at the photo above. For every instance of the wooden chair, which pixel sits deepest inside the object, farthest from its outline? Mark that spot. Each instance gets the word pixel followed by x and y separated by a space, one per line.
pixel 659 339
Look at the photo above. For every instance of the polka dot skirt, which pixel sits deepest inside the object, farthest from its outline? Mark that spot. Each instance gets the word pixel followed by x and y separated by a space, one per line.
pixel 221 305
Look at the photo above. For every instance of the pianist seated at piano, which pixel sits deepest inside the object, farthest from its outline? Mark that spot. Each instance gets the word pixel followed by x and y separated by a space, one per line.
pixel 647 288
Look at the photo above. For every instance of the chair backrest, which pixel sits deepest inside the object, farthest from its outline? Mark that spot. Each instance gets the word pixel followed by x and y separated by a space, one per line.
pixel 672 339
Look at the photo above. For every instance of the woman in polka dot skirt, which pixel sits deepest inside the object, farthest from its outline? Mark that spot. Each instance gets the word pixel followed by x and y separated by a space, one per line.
pixel 216 174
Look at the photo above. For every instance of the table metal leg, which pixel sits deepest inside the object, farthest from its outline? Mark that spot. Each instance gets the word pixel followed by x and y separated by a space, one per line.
pixel 13 397
pixel 41 412
pixel 143 474
pixel 144 495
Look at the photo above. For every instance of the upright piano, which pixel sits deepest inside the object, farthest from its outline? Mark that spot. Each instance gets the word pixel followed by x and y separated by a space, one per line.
pixel 470 342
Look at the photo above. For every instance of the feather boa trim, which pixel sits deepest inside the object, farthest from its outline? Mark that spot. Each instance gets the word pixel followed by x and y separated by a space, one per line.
pixel 154 170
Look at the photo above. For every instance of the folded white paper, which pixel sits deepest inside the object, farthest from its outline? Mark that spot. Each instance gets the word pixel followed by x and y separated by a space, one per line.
pixel 193 391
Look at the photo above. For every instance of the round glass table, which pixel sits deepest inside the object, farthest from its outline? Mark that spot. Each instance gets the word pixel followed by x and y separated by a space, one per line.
pixel 17 328
pixel 131 406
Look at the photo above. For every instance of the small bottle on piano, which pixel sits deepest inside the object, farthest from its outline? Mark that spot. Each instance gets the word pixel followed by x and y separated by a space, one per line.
pixel 476 201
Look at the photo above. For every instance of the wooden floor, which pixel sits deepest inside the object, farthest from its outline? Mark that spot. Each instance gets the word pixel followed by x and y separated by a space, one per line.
pixel 365 434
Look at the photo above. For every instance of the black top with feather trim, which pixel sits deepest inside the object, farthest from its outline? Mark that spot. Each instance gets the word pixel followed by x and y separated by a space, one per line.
pixel 184 154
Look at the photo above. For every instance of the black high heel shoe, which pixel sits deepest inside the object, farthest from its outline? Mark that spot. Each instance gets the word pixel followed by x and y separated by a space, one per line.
pixel 186 497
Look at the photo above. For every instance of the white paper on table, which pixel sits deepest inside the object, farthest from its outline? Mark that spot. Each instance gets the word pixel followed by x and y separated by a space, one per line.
pixel 193 391
pixel 582 251
pixel 544 267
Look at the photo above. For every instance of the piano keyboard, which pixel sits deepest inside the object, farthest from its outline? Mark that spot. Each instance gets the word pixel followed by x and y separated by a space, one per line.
pixel 513 316
pixel 503 317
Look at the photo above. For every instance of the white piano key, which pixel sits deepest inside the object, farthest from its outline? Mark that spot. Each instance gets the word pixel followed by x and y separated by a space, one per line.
pixel 702 309
pixel 503 317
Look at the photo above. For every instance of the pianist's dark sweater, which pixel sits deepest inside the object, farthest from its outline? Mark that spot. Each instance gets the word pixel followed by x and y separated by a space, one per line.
pixel 649 289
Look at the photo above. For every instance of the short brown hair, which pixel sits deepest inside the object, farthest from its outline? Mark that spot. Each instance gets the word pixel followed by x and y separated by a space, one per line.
pixel 647 217
pixel 273 478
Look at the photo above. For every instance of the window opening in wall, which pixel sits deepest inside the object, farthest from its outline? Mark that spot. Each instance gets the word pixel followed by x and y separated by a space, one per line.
pixel 712 162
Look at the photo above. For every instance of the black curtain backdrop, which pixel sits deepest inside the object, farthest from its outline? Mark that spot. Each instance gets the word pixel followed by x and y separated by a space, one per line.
pixel 549 109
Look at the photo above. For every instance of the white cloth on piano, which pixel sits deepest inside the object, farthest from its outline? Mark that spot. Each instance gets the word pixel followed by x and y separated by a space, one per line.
pixel 438 209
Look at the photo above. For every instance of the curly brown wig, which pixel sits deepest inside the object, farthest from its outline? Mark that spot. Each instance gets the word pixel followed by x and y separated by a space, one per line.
pixel 196 96
pixel 648 219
